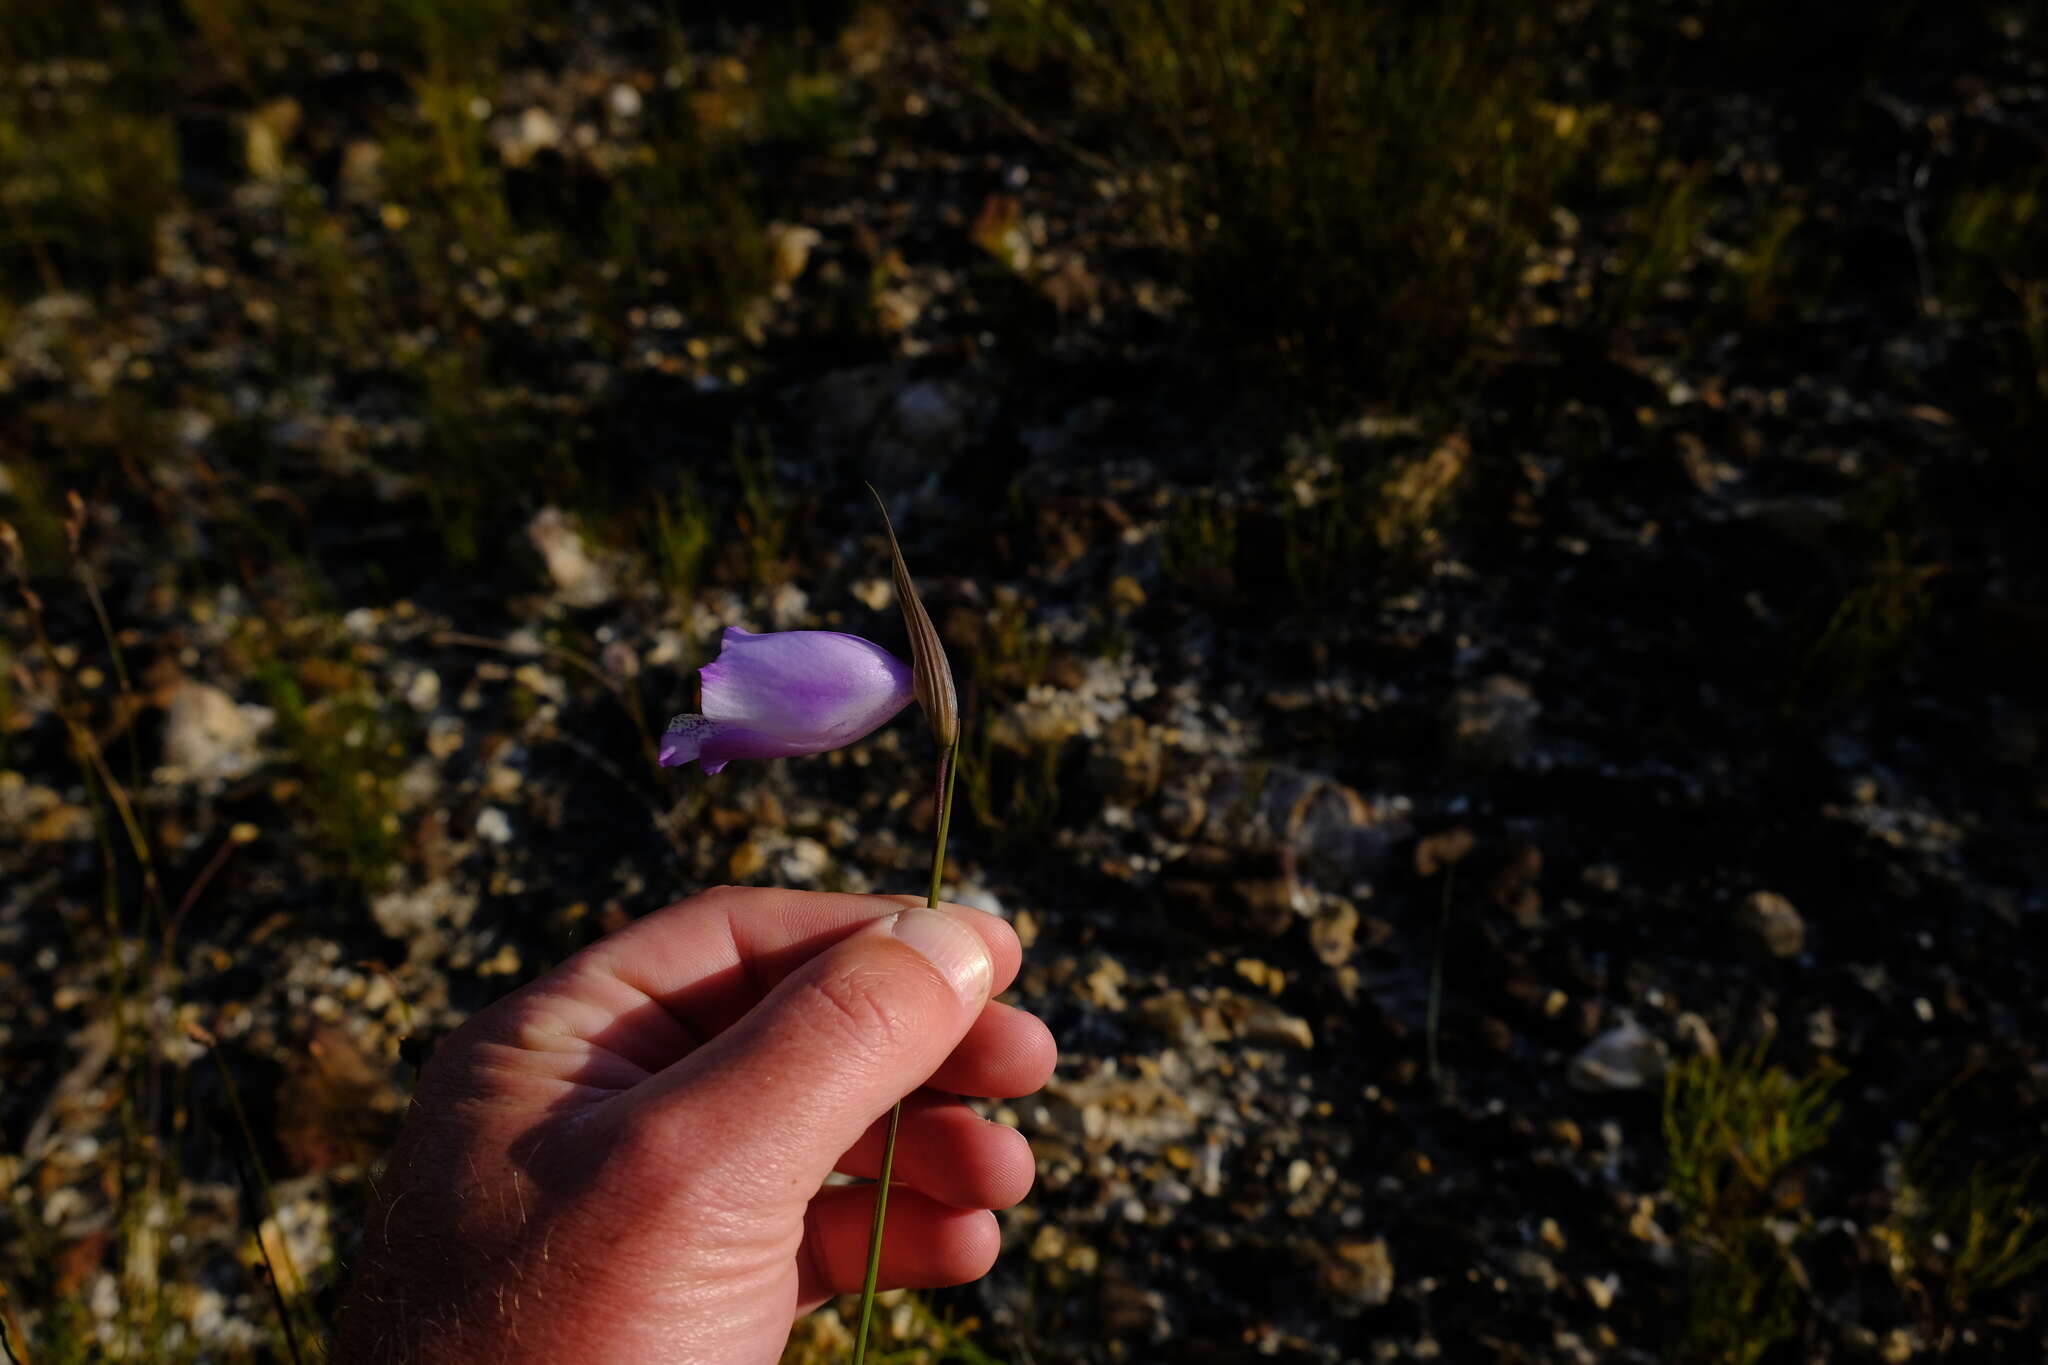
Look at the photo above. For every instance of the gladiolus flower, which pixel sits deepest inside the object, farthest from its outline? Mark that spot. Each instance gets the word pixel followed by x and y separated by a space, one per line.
pixel 787 693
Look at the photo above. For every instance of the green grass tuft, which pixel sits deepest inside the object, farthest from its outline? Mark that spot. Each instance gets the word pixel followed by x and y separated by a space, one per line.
pixel 1734 1131
pixel 1355 182
pixel 338 745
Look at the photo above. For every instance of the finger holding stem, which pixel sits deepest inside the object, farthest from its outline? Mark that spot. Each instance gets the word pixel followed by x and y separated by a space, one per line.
pixel 934 687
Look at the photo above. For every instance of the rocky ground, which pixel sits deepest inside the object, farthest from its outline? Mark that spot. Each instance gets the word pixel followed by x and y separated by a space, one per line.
pixel 1414 811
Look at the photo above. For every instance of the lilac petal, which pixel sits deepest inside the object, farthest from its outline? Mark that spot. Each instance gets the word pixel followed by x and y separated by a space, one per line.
pixel 820 689
pixel 714 743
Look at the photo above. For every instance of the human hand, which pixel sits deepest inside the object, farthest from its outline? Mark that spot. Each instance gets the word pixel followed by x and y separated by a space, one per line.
pixel 622 1161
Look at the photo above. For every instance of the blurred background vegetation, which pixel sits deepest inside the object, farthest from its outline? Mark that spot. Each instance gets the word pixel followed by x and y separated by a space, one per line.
pixel 358 354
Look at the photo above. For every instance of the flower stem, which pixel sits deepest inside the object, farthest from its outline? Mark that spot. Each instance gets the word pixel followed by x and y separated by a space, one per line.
pixel 942 796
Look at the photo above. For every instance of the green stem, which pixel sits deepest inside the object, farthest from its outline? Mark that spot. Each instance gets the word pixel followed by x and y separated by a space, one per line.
pixel 942 795
pixel 867 1293
pixel 269 1206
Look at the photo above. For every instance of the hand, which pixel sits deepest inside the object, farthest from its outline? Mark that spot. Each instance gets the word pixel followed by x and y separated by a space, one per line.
pixel 622 1161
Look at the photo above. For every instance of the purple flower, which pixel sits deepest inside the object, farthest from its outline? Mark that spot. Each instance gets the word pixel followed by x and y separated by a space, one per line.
pixel 785 693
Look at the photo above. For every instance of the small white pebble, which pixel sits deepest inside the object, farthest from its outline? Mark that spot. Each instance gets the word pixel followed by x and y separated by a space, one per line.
pixel 493 826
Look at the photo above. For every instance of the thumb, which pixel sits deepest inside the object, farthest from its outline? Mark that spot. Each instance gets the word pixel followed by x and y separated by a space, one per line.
pixel 776 1099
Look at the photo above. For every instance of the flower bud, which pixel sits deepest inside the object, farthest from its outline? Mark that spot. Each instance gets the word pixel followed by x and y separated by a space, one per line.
pixel 934 676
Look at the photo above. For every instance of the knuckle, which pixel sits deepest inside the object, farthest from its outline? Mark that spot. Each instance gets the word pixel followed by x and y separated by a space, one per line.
pixel 858 1007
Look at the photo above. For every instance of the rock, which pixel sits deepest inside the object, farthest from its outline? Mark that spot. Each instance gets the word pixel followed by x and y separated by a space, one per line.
pixel 444 735
pixel 1104 983
pixel 898 310
pixel 1627 1057
pixel 790 246
pixel 1821 1032
pixel 1003 231
pixel 1129 1312
pixel 805 861
pixel 493 826
pixel 1602 877
pixel 1358 1275
pixel 1770 919
pixel 1526 1263
pixel 750 858
pixel 1181 810
pixel 1334 931
pixel 580 580
pixel 1801 522
pixel 1049 1244
pixel 1694 1030
pixel 1267 1025
pixel 978 897
pixel 875 593
pixel 520 140
pixel 361 179
pixel 1514 885
pixel 424 691
pixel 61 823
pixel 423 915
pixel 265 135
pixel 210 737
pixel 789 607
pixel 1127 764
pixel 929 416
pixel 1237 889
pixel 1172 1016
pixel 336 1106
pixel 1340 836
pixel 297 1236
pixel 846 405
pixel 1442 850
pixel 1492 725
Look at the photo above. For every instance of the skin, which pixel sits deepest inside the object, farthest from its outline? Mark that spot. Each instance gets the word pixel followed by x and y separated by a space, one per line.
pixel 623 1160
